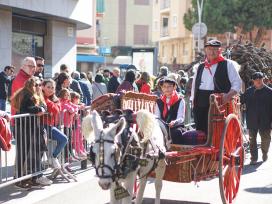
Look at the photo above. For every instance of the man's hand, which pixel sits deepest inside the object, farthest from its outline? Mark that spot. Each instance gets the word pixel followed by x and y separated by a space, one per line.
pixel 172 123
pixel 228 96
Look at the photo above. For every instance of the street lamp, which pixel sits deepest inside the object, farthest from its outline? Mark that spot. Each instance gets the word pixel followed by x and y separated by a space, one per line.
pixel 199 11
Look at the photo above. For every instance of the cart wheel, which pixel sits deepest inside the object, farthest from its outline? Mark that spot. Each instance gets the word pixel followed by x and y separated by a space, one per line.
pixel 231 159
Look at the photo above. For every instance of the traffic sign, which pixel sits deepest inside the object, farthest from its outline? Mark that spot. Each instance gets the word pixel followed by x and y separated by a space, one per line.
pixel 199 28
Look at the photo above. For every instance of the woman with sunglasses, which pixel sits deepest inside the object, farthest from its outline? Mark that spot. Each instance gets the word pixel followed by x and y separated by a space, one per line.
pixel 30 142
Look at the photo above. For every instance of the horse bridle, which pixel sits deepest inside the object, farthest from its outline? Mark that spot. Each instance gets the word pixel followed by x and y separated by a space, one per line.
pixel 101 164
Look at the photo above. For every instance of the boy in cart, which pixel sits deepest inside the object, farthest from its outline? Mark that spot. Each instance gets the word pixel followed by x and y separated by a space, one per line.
pixel 170 108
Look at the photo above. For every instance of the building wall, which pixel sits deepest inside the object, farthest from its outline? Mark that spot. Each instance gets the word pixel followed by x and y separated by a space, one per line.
pixel 5 39
pixel 112 29
pixel 61 47
pixel 63 18
pixel 175 41
pixel 66 9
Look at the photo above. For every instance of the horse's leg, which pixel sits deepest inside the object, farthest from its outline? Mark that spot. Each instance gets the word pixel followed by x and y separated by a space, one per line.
pixel 140 194
pixel 160 169
pixel 128 185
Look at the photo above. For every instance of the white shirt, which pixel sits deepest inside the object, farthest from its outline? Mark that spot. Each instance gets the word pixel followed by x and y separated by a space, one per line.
pixel 207 79
pixel 180 114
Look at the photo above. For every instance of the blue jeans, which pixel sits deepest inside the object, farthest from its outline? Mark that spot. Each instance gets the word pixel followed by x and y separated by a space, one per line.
pixel 60 137
pixel 3 104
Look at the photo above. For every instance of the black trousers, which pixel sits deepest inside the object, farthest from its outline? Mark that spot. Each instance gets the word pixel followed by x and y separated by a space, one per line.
pixel 201 118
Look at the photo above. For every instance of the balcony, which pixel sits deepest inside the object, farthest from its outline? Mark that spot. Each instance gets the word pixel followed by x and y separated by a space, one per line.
pixel 165 5
pixel 164 31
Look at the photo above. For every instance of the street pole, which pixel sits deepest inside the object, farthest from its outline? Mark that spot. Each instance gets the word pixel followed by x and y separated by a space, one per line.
pixel 199 11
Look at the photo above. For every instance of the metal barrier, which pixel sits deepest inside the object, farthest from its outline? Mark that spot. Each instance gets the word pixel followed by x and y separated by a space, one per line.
pixel 31 137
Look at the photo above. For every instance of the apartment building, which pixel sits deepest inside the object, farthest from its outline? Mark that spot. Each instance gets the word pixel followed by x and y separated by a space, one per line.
pixel 175 42
pixel 46 28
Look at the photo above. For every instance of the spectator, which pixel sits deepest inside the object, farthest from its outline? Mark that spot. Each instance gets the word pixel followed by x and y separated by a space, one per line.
pixel 74 85
pixel 98 87
pixel 5 82
pixel 84 78
pixel 163 73
pixel 51 120
pixel 143 83
pixel 77 137
pixel 39 67
pixel 68 111
pixel 5 133
pixel 258 100
pixel 84 87
pixel 106 76
pixel 63 81
pixel 90 77
pixel 127 84
pixel 114 81
pixel 28 100
pixel 27 70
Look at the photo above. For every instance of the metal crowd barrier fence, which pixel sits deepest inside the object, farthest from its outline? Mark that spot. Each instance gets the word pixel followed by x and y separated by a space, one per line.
pixel 32 146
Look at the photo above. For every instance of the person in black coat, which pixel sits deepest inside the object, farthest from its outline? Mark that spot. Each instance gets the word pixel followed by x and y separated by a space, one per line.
pixel 114 81
pixel 5 83
pixel 258 100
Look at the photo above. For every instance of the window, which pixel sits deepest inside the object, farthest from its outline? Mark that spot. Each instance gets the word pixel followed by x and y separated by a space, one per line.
pixel 141 2
pixel 175 21
pixel 141 34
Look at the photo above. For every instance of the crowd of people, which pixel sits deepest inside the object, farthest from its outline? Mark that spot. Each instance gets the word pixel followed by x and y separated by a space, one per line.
pixel 60 100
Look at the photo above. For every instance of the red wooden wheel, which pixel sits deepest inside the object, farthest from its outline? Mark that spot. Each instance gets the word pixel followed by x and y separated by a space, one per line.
pixel 231 159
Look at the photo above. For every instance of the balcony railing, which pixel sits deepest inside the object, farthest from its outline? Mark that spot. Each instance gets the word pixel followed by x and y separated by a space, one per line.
pixel 165 4
pixel 164 31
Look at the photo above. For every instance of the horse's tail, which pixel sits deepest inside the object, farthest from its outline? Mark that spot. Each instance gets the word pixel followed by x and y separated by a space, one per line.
pixel 87 128
pixel 146 123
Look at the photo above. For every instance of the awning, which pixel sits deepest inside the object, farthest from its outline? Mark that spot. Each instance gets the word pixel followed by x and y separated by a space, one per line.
pixel 91 58
pixel 122 60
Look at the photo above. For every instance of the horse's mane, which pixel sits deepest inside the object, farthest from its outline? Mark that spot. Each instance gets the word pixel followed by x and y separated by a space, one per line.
pixel 146 122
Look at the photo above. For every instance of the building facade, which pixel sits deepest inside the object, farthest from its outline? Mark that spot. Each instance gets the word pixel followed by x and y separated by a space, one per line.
pixel 126 24
pixel 176 45
pixel 46 28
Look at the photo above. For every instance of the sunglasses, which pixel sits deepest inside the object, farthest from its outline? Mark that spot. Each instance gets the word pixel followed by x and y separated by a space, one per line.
pixel 40 65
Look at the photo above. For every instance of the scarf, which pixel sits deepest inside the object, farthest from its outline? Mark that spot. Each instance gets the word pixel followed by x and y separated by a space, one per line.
pixel 219 58
pixel 174 98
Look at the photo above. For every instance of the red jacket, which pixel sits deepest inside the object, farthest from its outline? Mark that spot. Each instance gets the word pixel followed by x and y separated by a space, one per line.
pixel 5 135
pixel 54 112
pixel 18 83
pixel 143 87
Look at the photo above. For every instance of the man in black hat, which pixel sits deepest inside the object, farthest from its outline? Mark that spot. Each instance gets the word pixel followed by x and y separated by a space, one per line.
pixel 215 75
pixel 258 100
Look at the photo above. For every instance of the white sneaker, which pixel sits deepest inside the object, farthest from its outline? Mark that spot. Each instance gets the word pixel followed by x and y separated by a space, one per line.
pixel 44 181
pixel 55 163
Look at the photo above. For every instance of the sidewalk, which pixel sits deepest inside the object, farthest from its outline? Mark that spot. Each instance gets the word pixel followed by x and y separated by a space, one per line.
pixel 12 195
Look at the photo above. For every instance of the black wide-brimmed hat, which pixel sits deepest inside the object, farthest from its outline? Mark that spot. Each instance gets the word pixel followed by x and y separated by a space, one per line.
pixel 167 80
pixel 257 75
pixel 213 43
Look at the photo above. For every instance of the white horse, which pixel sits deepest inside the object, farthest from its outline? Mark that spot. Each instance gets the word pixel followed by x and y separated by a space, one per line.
pixel 154 142
pixel 107 147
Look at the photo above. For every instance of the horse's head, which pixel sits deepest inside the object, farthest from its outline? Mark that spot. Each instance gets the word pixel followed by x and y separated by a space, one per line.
pixel 106 149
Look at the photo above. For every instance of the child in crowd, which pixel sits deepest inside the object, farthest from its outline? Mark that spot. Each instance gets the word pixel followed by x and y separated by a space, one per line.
pixel 68 112
pixel 51 120
pixel 170 108
pixel 77 137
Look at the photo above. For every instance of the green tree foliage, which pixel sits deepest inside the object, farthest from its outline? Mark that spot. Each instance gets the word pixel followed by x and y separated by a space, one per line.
pixel 222 16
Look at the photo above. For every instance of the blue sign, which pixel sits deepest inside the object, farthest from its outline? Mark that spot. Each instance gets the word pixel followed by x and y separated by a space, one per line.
pixel 105 50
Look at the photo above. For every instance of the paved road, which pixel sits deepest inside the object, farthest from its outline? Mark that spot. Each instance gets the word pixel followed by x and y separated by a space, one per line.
pixel 256 187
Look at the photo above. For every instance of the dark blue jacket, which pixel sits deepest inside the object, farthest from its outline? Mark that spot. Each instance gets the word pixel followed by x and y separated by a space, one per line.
pixel 258 107
pixel 5 82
